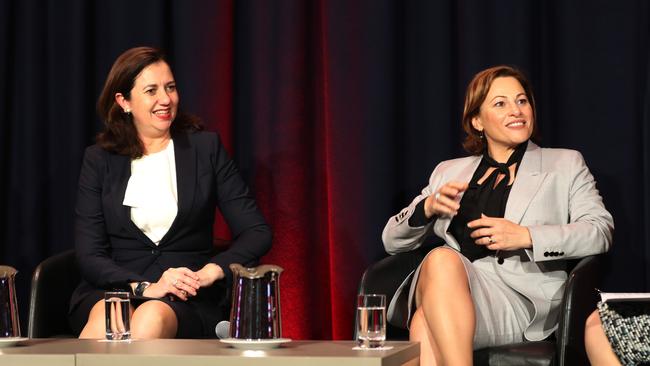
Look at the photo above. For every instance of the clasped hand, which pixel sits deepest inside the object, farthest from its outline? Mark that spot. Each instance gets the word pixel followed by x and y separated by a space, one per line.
pixel 183 282
pixel 494 232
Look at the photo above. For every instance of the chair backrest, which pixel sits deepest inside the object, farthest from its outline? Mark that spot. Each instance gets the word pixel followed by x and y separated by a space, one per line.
pixel 579 300
pixel 53 282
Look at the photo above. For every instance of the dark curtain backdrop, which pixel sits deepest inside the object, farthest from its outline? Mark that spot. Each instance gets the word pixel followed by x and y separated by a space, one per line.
pixel 335 111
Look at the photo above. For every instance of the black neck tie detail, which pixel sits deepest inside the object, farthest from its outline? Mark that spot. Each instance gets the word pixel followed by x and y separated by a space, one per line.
pixel 502 168
pixel 487 198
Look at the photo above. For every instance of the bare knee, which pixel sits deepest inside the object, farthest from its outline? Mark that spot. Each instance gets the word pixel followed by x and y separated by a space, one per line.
pixel 95 326
pixel 597 344
pixel 593 320
pixel 442 261
pixel 154 319
pixel 441 267
pixel 593 328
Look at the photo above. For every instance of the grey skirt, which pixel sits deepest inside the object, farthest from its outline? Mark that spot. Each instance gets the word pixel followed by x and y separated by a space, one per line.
pixel 502 314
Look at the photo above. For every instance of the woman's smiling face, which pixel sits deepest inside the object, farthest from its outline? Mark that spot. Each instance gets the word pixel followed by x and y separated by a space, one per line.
pixel 153 100
pixel 506 116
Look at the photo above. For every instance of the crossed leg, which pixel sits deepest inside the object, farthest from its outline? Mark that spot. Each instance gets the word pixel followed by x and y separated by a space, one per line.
pixel 444 321
pixel 153 319
pixel 598 348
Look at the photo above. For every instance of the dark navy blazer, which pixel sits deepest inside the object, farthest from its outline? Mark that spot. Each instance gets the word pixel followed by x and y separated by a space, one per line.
pixel 112 251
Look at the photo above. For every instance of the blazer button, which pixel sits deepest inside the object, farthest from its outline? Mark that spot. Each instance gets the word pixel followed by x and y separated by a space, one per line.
pixel 546 254
pixel 154 252
pixel 561 253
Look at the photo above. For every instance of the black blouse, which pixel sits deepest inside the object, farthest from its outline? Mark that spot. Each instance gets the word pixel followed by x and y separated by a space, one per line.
pixel 487 198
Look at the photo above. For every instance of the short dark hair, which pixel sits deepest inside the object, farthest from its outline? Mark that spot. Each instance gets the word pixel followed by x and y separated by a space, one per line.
pixel 120 135
pixel 477 91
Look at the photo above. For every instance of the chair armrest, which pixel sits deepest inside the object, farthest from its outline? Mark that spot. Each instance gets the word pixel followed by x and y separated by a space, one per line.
pixel 580 298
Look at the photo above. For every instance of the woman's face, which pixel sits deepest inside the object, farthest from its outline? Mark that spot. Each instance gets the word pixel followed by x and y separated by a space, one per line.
pixel 506 116
pixel 154 100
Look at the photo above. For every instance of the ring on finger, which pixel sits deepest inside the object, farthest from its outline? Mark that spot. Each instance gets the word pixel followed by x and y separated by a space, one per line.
pixel 436 196
pixel 490 240
pixel 184 292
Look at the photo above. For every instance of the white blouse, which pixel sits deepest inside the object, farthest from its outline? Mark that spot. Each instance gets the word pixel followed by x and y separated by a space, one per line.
pixel 151 193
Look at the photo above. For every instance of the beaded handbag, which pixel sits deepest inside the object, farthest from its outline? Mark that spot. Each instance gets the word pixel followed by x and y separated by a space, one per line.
pixel 627 326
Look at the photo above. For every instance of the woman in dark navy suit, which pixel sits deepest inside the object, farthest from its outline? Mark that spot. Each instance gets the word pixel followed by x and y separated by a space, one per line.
pixel 148 190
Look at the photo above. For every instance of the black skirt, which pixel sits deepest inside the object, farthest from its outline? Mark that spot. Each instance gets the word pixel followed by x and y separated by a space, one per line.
pixel 197 317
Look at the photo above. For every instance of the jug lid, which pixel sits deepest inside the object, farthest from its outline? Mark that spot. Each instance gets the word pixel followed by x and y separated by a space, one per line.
pixel 6 271
pixel 254 272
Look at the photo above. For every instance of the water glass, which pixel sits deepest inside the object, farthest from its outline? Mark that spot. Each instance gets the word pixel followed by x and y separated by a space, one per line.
pixel 117 316
pixel 371 320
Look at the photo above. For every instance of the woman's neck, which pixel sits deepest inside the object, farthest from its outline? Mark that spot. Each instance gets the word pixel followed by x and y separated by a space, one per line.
pixel 153 145
pixel 500 154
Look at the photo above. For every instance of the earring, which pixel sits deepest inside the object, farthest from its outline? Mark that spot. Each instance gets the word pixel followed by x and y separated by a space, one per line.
pixel 481 135
pixel 127 111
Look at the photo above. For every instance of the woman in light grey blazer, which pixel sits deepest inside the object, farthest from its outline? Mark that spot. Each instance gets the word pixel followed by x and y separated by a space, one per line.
pixel 510 215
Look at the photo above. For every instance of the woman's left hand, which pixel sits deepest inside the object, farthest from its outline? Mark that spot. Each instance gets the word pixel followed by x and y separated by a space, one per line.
pixel 497 233
pixel 209 274
pixel 180 282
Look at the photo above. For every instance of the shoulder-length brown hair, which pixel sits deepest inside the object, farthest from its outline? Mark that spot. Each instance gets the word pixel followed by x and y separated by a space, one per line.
pixel 475 96
pixel 120 135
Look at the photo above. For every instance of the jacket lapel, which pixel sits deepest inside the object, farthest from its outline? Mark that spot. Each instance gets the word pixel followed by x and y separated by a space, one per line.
pixel 185 158
pixel 529 179
pixel 122 166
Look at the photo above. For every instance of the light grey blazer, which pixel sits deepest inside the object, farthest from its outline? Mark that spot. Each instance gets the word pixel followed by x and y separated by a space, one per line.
pixel 555 196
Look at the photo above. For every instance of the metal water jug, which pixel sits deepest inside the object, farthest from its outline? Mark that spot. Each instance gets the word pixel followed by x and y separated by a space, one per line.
pixel 9 323
pixel 255 310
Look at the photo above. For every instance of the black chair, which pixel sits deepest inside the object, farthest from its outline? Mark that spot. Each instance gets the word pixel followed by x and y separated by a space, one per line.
pixel 53 281
pixel 566 347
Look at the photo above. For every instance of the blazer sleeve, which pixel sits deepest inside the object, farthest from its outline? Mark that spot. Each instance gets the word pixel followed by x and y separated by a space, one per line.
pixel 251 234
pixel 398 235
pixel 91 239
pixel 589 227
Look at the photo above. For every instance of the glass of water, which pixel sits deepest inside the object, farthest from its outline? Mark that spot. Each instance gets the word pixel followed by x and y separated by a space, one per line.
pixel 371 320
pixel 117 316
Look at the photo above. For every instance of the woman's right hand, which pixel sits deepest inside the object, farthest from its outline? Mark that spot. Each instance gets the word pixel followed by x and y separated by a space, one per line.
pixel 444 202
pixel 180 282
